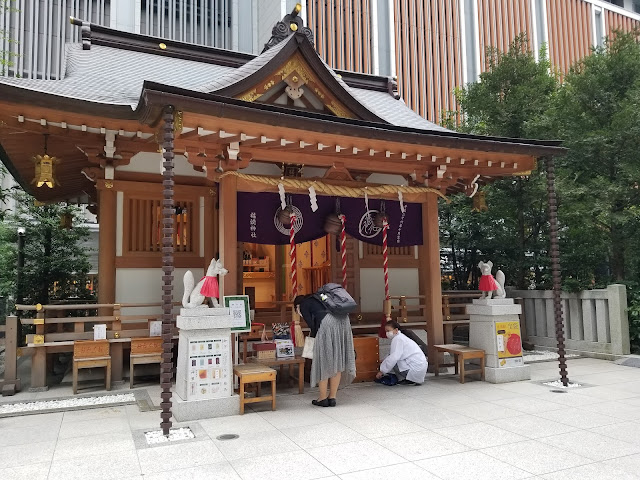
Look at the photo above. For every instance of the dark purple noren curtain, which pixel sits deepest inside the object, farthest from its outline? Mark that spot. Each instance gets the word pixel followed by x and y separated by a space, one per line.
pixel 258 219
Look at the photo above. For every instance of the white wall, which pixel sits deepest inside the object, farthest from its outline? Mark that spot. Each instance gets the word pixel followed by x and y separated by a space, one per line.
pixel 144 285
pixel 147 162
pixel 402 281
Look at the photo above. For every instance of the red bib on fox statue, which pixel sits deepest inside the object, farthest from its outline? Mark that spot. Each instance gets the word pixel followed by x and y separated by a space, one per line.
pixel 210 287
pixel 488 283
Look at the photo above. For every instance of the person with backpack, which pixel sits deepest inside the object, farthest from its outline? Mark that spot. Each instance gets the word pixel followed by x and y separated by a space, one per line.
pixel 326 313
pixel 406 360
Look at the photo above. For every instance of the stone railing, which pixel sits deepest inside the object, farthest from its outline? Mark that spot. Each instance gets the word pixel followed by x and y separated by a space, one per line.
pixel 595 321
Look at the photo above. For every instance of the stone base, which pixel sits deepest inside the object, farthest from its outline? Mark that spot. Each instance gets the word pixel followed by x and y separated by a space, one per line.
pixel 184 411
pixel 507 374
pixel 207 319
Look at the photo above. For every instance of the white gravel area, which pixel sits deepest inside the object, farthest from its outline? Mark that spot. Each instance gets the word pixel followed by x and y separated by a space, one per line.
pixel 68 403
pixel 558 384
pixel 542 356
pixel 155 437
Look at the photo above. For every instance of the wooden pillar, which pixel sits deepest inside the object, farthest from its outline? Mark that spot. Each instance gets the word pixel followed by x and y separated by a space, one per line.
pixel 107 244
pixel 228 234
pixel 430 276
pixel 107 217
pixel 210 227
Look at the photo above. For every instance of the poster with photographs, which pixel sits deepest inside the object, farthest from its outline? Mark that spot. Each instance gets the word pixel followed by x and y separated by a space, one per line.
pixel 209 369
pixel 238 306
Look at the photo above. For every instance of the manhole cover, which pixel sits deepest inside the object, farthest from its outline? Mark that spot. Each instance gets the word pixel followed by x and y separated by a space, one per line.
pixel 228 436
pixel 558 391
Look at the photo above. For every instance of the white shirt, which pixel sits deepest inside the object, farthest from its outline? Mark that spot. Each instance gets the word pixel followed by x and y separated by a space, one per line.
pixel 407 355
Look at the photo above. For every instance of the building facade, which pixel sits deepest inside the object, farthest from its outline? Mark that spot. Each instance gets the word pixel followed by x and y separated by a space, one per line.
pixel 431 46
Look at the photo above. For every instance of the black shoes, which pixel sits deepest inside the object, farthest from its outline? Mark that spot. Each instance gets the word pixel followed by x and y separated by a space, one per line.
pixel 408 382
pixel 327 402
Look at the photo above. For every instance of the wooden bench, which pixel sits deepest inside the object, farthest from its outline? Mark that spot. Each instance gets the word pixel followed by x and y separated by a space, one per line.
pixel 281 362
pixel 460 353
pixel 255 373
pixel 91 354
pixel 144 351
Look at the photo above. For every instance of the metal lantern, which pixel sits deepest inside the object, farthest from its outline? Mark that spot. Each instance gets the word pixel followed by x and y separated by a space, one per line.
pixel 66 221
pixel 44 171
pixel 44 174
pixel 480 202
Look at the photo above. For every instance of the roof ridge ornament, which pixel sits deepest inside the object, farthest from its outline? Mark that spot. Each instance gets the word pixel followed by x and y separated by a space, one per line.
pixel 85 28
pixel 290 24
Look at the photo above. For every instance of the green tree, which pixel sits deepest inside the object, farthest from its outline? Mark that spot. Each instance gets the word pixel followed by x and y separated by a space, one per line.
pixel 597 114
pixel 511 99
pixel 56 263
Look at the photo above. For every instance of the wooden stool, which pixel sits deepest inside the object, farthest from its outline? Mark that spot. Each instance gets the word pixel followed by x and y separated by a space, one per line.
pixel 143 352
pixel 460 354
pixel 255 373
pixel 90 354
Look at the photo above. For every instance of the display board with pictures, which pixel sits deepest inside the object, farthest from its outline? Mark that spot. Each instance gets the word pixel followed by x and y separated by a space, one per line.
pixel 209 369
pixel 238 306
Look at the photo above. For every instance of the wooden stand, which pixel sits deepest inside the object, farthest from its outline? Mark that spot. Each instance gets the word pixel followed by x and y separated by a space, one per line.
pixel 460 353
pixel 281 362
pixel 91 354
pixel 255 374
pixel 143 352
pixel 367 358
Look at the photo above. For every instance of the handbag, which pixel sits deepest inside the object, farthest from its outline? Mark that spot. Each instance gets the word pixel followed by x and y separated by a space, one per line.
pixel 307 351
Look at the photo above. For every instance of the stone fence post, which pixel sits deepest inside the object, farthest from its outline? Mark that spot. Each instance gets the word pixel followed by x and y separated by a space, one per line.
pixel 618 319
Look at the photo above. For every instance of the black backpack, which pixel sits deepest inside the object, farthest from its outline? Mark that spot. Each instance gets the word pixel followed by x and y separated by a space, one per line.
pixel 335 299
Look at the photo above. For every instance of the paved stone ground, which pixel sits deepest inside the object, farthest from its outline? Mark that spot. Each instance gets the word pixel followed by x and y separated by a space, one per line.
pixel 441 430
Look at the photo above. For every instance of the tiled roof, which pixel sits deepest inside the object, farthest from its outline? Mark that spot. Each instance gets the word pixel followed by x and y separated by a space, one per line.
pixel 115 76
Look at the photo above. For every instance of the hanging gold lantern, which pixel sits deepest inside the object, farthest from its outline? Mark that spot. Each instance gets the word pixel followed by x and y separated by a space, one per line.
pixel 480 202
pixel 66 221
pixel 44 174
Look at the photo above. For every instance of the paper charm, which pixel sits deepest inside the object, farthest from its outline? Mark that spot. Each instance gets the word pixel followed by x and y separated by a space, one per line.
pixel 366 199
pixel 313 199
pixel 403 207
pixel 283 202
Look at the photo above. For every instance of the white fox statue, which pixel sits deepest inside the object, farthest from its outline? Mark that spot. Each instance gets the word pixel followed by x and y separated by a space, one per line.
pixel 195 295
pixel 488 284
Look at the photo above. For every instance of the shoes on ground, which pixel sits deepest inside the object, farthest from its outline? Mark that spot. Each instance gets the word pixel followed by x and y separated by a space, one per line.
pixel 408 382
pixel 332 402
pixel 321 403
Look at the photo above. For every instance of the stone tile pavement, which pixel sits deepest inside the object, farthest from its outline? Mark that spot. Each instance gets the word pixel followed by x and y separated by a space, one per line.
pixel 441 430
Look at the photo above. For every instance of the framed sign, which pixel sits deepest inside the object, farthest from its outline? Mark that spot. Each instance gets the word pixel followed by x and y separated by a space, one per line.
pixel 238 306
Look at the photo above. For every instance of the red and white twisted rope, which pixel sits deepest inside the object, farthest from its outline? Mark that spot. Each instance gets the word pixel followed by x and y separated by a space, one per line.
pixel 385 259
pixel 343 251
pixel 292 255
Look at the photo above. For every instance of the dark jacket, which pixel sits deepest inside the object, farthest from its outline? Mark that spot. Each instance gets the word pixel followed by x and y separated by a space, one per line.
pixel 313 312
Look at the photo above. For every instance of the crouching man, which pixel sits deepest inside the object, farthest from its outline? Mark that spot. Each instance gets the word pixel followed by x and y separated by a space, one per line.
pixel 406 360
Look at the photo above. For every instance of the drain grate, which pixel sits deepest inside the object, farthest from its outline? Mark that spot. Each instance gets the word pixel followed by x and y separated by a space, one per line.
pixel 227 436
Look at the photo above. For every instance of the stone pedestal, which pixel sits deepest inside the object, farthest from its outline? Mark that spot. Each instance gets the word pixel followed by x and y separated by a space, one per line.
pixel 494 326
pixel 204 378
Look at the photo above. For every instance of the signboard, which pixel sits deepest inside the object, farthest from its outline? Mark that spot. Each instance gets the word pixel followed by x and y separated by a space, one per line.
pixel 238 306
pixel 209 369
pixel 509 344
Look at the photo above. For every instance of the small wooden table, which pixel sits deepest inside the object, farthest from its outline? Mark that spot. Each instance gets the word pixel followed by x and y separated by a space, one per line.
pixel 144 351
pixel 460 353
pixel 255 374
pixel 91 354
pixel 282 362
